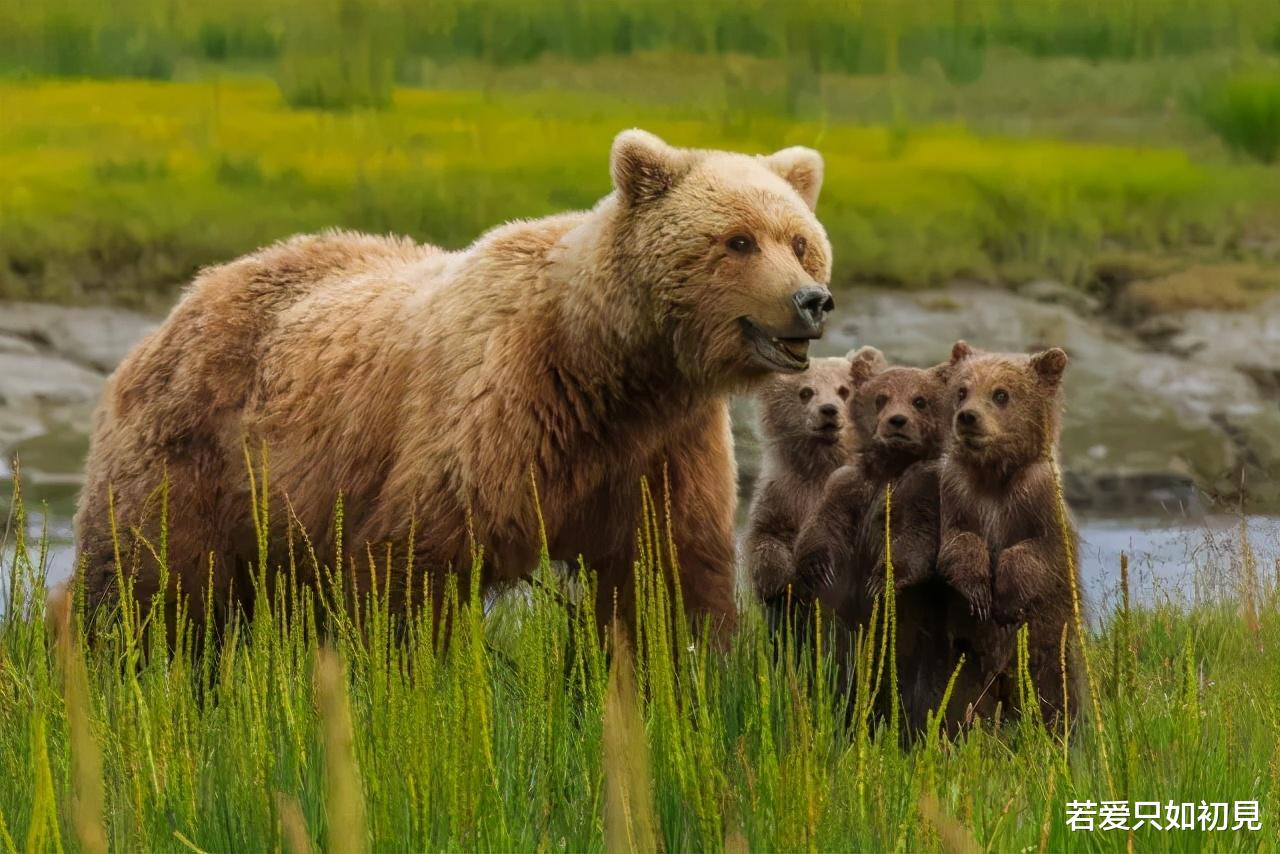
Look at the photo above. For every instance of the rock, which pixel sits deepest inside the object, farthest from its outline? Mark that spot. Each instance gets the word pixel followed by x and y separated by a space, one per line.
pixel 1248 341
pixel 39 393
pixel 14 344
pixel 1056 293
pixel 95 337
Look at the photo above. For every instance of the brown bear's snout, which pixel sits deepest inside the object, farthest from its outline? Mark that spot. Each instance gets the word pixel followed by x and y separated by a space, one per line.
pixel 968 423
pixel 812 304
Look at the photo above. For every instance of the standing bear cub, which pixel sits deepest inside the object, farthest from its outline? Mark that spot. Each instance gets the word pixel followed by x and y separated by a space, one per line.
pixel 901 417
pixel 803 418
pixel 1007 544
pixel 434 390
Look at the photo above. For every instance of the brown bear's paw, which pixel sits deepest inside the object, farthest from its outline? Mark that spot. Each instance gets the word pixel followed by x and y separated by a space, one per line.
pixel 815 571
pixel 964 563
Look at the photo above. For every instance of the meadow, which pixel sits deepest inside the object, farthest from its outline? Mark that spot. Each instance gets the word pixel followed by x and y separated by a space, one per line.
pixel 345 728
pixel 976 140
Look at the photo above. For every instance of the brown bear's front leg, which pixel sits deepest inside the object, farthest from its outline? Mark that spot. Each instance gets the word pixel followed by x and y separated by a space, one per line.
pixel 702 479
pixel 767 548
pixel 825 543
pixel 1024 573
pixel 964 562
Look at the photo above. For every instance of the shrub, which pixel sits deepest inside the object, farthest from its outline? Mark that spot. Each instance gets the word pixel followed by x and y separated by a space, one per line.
pixel 1245 113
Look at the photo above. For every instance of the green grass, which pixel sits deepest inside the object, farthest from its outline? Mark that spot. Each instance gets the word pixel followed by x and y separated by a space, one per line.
pixel 1245 112
pixel 525 735
pixel 117 191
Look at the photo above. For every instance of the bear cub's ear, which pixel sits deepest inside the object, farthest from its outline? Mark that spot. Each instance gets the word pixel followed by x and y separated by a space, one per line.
pixel 1049 365
pixel 644 167
pixel 961 351
pixel 800 167
pixel 865 363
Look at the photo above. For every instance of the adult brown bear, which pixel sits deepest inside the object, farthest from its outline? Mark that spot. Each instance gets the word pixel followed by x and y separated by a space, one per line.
pixel 583 352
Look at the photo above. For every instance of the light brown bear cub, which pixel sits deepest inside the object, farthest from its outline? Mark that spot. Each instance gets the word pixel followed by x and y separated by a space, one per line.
pixel 1003 546
pixel 582 352
pixel 803 419
pixel 901 417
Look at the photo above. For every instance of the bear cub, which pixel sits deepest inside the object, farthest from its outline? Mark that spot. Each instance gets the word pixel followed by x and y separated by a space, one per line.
pixel 1004 547
pixel 901 419
pixel 803 419
pixel 900 422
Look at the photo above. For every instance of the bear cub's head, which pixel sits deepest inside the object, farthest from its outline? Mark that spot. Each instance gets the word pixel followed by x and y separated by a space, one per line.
pixel 733 264
pixel 807 411
pixel 900 414
pixel 1006 405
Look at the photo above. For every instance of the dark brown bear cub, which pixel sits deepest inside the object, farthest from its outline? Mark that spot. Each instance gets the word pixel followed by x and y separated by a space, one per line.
pixel 1003 546
pixel 803 419
pixel 901 418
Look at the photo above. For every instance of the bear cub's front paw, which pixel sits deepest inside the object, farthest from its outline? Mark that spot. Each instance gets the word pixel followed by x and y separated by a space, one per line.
pixel 815 571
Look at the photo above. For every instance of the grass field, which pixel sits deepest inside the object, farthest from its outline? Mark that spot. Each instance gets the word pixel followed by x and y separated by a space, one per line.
pixel 119 190
pixel 523 735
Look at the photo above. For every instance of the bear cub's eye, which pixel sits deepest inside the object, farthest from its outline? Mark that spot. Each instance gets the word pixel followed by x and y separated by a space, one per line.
pixel 919 403
pixel 843 391
pixel 741 243
pixel 799 245
pixel 1001 396
pixel 881 400
pixel 962 394
pixel 806 393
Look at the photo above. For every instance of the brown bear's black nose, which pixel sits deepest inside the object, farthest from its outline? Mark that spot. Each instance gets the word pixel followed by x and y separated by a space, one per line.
pixel 813 303
pixel 828 410
pixel 966 417
pixel 898 421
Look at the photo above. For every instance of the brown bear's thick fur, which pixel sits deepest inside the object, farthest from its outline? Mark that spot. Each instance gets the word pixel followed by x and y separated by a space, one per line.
pixel 1002 543
pixel 432 389
pixel 803 418
pixel 901 417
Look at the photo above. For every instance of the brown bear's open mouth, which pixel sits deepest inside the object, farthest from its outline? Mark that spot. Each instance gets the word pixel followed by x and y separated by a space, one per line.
pixel 776 352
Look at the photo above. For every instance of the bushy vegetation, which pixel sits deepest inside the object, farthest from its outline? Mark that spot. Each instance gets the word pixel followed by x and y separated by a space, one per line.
pixel 152 38
pixel 1245 112
pixel 124 203
pixel 347 727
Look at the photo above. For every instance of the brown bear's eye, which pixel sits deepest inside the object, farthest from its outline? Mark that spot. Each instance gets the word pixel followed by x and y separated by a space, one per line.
pixel 799 245
pixel 843 391
pixel 919 403
pixel 741 243
pixel 963 393
pixel 806 393
pixel 881 400
pixel 1001 396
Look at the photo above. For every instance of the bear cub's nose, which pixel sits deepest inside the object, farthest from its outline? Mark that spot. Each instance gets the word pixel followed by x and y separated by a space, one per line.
pixel 898 421
pixel 828 410
pixel 813 304
pixel 967 417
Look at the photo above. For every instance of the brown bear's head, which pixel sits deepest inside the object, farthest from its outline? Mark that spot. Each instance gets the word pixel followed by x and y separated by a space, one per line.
pixel 733 262
pixel 1006 405
pixel 807 408
pixel 900 414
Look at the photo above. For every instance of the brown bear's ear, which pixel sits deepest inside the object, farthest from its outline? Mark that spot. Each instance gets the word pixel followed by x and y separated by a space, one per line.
pixel 865 363
pixel 800 167
pixel 1049 364
pixel 960 351
pixel 644 167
